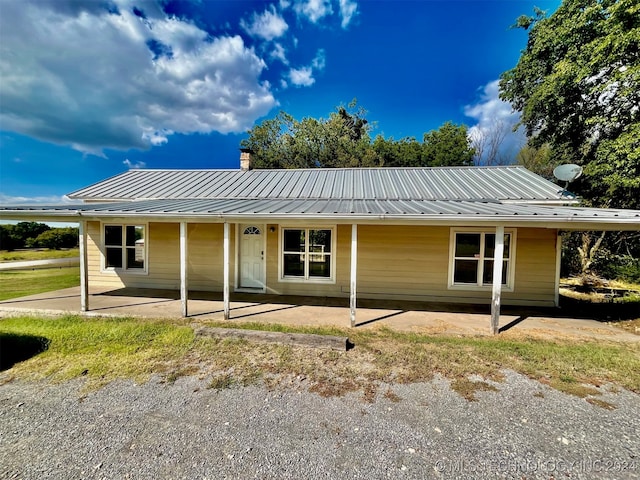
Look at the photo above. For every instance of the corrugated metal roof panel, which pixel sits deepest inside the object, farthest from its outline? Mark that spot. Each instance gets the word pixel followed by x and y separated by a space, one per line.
pixel 332 208
pixel 445 183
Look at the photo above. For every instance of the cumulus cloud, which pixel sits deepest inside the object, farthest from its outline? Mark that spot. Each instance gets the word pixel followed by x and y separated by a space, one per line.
pixel 493 135
pixel 121 76
pixel 134 165
pixel 279 53
pixel 313 10
pixel 267 25
pixel 302 77
pixel 348 10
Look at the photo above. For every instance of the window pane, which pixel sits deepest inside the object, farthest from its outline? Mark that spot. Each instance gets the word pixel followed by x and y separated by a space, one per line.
pixel 293 265
pixel 294 240
pixel 134 233
pixel 133 259
pixel 320 241
pixel 487 274
pixel 490 242
pixel 465 271
pixel 320 265
pixel 467 244
pixel 113 235
pixel 114 258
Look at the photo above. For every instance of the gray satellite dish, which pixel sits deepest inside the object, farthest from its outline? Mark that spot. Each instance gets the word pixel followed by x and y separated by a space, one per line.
pixel 567 173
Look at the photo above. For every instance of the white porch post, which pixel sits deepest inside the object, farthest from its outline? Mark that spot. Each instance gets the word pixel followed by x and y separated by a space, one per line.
pixel 225 288
pixel 558 264
pixel 84 277
pixel 354 268
pixel 184 288
pixel 497 279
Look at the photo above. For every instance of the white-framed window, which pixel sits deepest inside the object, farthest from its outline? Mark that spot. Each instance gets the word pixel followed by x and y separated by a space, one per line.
pixel 472 256
pixel 125 247
pixel 307 254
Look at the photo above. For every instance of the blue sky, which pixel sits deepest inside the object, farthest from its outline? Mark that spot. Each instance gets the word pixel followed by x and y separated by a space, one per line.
pixel 91 89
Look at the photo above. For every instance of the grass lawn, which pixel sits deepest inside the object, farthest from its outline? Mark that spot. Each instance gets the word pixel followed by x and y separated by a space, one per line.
pixel 101 350
pixel 37 254
pixel 20 283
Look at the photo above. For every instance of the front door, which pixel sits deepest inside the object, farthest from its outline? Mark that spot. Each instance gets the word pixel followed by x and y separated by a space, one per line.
pixel 252 256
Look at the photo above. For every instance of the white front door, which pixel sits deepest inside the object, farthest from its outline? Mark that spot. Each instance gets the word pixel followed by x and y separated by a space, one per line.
pixel 252 256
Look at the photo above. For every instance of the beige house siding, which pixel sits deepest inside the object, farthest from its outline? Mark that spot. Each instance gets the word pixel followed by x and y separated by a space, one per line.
pixel 397 262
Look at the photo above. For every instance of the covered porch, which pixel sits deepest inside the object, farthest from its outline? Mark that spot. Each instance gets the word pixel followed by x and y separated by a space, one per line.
pixel 404 316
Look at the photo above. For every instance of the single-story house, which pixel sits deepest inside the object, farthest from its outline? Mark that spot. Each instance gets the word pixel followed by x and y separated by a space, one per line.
pixel 426 234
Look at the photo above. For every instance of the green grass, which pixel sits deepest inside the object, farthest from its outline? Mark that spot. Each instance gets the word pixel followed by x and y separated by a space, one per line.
pixel 20 283
pixel 37 254
pixel 102 350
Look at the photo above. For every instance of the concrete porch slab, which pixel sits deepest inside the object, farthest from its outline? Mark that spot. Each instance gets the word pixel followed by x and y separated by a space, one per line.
pixel 312 311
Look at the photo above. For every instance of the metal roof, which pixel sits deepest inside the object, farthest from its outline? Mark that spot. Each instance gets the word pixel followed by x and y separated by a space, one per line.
pixel 509 184
pixel 433 211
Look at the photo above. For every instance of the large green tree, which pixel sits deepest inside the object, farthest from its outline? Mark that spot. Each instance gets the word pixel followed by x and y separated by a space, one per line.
pixel 344 140
pixel 577 86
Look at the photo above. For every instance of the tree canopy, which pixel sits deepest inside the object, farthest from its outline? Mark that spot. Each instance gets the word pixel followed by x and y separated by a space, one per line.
pixel 577 86
pixel 344 140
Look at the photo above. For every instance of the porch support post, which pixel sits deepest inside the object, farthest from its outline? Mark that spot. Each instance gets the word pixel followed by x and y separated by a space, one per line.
pixel 184 287
pixel 497 280
pixel 354 271
pixel 225 288
pixel 84 277
pixel 558 264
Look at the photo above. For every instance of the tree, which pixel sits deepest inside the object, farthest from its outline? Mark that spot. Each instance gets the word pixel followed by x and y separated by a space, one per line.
pixel 577 87
pixel 344 140
pixel 448 146
pixel 57 238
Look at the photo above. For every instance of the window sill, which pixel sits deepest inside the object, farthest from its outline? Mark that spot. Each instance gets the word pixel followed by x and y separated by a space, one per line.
pixel 476 288
pixel 318 281
pixel 122 271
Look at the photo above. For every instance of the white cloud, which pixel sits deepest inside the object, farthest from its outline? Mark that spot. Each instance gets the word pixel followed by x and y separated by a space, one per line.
pixel 313 10
pixel 44 200
pixel 302 77
pixel 320 60
pixel 134 165
pixel 76 74
pixel 348 9
pixel 279 53
pixel 493 133
pixel 267 25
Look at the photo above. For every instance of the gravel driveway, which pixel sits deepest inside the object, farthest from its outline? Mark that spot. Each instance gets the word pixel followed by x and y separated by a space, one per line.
pixel 184 430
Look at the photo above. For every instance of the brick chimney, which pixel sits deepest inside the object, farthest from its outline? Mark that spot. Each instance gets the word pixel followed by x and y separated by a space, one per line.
pixel 245 159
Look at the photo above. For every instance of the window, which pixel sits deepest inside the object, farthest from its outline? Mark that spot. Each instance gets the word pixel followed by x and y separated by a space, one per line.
pixel 473 257
pixel 124 247
pixel 307 254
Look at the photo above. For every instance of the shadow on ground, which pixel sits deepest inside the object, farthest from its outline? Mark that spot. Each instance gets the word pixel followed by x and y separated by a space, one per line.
pixel 15 348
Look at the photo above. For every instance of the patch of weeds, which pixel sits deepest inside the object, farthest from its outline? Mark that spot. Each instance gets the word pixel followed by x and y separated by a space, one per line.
pixel 467 388
pixel 222 382
pixel 568 384
pixel 333 387
pixel 370 392
pixel 601 403
pixel 392 396
pixel 185 371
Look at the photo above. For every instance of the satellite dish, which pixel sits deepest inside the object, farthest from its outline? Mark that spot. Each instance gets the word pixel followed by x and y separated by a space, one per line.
pixel 567 173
